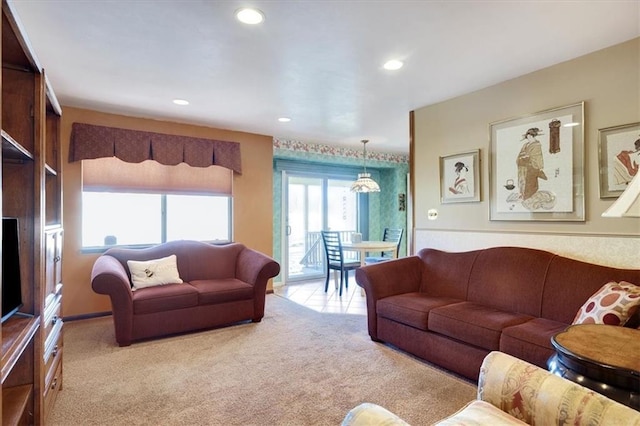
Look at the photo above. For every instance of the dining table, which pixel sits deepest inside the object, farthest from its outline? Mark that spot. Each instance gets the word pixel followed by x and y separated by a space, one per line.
pixel 364 247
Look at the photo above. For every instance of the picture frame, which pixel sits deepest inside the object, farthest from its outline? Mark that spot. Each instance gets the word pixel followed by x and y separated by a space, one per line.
pixel 460 177
pixel 536 166
pixel 618 153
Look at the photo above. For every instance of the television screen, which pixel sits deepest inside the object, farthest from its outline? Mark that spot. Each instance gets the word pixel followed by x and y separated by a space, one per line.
pixel 11 284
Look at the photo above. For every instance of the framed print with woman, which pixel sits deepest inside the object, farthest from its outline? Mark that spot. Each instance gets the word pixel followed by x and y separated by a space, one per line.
pixel 537 166
pixel 460 177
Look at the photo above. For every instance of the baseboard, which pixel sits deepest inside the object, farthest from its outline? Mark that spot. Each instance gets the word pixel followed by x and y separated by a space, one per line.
pixel 86 316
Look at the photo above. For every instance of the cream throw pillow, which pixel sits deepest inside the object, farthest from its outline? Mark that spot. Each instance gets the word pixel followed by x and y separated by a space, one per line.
pixel 154 272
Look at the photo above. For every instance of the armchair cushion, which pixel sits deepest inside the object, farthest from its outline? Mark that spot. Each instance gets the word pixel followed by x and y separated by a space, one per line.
pixel 369 414
pixel 479 413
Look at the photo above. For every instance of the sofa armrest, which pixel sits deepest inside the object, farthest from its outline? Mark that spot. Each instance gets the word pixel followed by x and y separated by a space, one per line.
pixel 396 276
pixel 537 396
pixel 109 277
pixel 256 268
pixel 386 279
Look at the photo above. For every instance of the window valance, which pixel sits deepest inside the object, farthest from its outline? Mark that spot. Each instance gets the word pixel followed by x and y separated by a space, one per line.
pixel 89 141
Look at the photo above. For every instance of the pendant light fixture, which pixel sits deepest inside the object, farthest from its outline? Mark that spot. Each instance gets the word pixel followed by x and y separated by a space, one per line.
pixel 364 182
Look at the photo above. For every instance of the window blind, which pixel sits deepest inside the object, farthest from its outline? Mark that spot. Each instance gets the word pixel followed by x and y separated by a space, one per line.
pixel 113 174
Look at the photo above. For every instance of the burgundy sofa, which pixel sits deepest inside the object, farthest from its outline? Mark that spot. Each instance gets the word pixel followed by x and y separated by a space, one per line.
pixel 452 309
pixel 223 285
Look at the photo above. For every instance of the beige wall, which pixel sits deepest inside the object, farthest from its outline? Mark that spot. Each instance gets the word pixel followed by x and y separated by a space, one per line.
pixel 608 83
pixel 252 217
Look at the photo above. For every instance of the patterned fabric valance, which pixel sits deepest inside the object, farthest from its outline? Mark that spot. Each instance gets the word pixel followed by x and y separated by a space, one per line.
pixel 133 146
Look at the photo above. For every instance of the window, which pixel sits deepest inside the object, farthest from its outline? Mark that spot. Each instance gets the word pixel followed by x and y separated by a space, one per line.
pixel 110 218
pixel 194 217
pixel 149 203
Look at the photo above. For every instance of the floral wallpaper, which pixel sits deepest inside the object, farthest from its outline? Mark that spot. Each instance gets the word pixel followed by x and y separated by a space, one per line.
pixel 384 207
pixel 312 148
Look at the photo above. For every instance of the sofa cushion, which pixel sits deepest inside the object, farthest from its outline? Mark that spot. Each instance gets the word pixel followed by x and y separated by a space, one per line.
pixel 411 308
pixel 164 298
pixel 475 324
pixel 613 304
pixel 531 340
pixel 222 290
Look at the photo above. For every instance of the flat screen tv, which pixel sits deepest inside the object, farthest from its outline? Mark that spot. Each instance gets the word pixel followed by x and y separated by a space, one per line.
pixel 11 283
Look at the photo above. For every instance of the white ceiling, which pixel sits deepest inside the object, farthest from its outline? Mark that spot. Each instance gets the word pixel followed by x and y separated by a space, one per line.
pixel 318 62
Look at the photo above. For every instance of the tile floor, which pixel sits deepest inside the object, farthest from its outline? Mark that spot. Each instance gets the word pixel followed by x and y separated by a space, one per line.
pixel 311 294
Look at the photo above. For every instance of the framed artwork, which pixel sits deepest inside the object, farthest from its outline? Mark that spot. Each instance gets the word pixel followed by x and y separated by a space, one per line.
pixel 619 154
pixel 536 169
pixel 460 177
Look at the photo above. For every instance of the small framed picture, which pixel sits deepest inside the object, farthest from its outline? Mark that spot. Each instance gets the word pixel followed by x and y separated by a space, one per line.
pixel 460 177
pixel 619 154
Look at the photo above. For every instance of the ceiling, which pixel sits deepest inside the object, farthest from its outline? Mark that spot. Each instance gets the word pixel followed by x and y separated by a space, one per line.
pixel 318 62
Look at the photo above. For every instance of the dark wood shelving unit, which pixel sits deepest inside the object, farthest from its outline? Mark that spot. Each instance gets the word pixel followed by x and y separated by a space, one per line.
pixel 31 190
pixel 12 150
pixel 15 402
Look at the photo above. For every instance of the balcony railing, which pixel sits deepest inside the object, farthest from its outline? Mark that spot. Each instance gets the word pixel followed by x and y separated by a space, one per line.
pixel 313 257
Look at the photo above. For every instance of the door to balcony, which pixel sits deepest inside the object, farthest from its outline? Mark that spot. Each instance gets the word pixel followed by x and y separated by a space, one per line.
pixel 314 203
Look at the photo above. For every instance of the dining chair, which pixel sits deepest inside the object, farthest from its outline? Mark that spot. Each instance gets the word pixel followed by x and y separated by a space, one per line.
pixel 390 234
pixel 335 259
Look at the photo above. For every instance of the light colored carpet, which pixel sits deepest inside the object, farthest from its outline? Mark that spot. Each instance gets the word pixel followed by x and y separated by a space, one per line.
pixel 296 367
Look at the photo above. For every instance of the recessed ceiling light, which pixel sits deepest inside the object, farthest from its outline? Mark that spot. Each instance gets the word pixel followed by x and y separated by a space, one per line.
pixel 180 102
pixel 393 65
pixel 284 119
pixel 250 16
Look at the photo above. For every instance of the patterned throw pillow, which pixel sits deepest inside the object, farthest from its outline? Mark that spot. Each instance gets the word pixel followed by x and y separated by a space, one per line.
pixel 154 272
pixel 613 304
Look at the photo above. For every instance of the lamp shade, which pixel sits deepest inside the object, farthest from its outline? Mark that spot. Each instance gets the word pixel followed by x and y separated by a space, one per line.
pixel 628 203
pixel 365 184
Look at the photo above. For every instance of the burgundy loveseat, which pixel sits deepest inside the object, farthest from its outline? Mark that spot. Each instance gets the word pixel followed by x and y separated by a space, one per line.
pixel 452 309
pixel 222 285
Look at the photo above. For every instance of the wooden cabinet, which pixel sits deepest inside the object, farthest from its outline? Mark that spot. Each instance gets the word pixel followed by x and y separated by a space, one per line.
pixel 52 319
pixel 31 191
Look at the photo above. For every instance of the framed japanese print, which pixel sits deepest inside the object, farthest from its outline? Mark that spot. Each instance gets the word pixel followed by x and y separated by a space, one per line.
pixel 536 168
pixel 619 149
pixel 460 177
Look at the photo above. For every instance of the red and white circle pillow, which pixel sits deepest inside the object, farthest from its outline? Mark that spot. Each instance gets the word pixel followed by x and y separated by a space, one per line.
pixel 613 304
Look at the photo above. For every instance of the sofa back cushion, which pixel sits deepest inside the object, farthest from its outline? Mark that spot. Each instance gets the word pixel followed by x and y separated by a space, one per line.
pixel 571 282
pixel 196 260
pixel 446 274
pixel 213 262
pixel 510 279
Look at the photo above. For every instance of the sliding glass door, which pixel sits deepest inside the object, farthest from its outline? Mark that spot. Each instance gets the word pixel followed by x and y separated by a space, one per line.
pixel 314 203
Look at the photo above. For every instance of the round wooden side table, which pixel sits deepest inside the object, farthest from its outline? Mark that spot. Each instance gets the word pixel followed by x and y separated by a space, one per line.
pixel 604 358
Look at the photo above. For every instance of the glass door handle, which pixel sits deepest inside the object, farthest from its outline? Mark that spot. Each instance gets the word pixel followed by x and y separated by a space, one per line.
pixel 288 230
